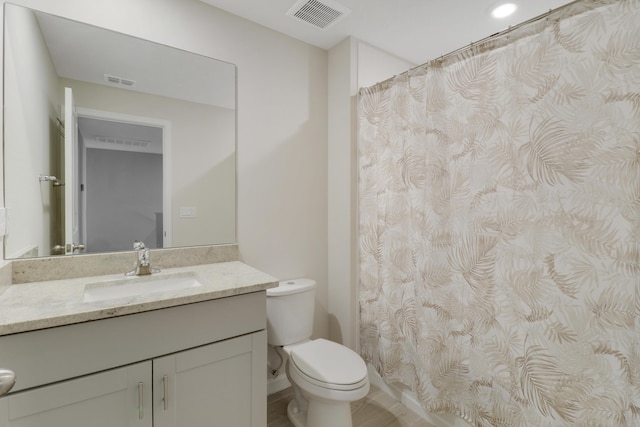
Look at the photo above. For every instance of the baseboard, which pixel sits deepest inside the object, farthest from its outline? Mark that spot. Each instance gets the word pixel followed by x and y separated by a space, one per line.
pixel 276 384
pixel 409 399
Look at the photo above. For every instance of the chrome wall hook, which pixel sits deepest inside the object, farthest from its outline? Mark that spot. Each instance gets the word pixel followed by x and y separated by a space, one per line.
pixel 56 182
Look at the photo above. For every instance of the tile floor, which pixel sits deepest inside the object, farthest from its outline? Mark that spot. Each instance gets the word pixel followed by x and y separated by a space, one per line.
pixel 375 410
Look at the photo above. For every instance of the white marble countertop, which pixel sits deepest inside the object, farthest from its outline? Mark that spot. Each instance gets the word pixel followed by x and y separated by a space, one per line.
pixel 31 306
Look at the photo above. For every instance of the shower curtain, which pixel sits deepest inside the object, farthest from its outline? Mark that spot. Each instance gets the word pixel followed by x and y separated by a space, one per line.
pixel 499 224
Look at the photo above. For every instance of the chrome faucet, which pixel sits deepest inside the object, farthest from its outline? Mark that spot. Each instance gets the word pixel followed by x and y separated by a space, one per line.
pixel 143 263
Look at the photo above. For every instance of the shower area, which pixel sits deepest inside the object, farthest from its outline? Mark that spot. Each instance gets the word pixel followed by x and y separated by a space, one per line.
pixel 499 223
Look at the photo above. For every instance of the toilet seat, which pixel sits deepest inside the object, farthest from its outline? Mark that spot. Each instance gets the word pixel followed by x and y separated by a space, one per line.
pixel 329 365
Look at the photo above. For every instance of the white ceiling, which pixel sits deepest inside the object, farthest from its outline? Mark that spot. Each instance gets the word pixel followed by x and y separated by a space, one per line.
pixel 83 52
pixel 414 30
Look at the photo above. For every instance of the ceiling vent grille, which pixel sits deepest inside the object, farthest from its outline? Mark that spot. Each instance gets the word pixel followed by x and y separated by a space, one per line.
pixel 125 142
pixel 321 14
pixel 119 80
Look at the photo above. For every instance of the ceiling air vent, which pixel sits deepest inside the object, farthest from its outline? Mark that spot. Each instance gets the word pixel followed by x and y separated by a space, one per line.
pixel 123 141
pixel 321 14
pixel 119 80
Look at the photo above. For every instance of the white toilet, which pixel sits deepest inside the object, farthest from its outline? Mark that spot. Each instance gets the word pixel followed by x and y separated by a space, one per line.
pixel 326 376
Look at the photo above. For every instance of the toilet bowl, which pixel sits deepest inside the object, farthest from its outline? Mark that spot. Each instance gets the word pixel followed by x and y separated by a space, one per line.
pixel 329 376
pixel 326 376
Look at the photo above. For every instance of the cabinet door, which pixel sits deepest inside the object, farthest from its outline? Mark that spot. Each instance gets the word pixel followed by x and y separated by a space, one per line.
pixel 114 398
pixel 221 384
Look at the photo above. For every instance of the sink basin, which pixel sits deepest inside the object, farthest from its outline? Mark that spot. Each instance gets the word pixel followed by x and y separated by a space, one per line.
pixel 139 285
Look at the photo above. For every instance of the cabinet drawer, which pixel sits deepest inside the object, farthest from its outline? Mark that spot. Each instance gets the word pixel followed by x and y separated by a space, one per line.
pixel 50 355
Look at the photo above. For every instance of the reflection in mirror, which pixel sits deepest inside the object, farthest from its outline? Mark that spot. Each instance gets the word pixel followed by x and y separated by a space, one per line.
pixel 110 139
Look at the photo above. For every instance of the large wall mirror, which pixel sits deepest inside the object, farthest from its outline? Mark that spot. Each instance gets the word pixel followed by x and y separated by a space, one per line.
pixel 110 139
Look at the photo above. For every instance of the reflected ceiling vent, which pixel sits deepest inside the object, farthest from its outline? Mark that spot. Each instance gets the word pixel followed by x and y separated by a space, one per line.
pixel 321 14
pixel 119 80
pixel 123 142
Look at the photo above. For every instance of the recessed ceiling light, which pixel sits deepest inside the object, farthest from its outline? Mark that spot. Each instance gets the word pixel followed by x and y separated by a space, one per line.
pixel 503 10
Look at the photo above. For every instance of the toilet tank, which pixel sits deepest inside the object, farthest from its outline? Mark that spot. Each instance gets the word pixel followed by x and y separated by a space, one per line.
pixel 290 311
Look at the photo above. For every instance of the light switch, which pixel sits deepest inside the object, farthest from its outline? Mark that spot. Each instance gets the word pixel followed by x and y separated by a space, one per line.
pixel 188 212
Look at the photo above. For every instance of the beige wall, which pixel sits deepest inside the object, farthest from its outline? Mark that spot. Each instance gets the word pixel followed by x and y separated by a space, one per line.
pixel 33 123
pixel 282 124
pixel 342 227
pixel 375 65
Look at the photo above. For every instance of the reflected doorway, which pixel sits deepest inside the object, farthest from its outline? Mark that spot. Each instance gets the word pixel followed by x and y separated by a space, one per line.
pixel 122 184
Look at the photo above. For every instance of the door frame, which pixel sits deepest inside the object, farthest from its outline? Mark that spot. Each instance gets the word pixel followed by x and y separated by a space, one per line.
pixel 167 170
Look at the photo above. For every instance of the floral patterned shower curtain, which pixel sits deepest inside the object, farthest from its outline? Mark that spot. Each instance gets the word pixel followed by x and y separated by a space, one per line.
pixel 499 199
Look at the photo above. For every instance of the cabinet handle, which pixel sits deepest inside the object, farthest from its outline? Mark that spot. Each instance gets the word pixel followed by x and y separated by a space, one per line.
pixel 140 400
pixel 165 387
pixel 7 381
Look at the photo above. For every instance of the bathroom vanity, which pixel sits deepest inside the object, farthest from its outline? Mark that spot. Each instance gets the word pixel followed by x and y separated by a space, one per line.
pixel 191 355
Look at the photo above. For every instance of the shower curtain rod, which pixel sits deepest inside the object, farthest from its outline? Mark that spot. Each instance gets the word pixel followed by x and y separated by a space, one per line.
pixel 492 37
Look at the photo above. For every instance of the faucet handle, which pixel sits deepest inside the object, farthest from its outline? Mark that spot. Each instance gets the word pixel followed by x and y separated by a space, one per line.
pixel 143 265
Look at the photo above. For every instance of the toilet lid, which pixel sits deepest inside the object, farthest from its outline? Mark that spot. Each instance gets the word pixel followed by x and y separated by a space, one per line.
pixel 288 287
pixel 329 362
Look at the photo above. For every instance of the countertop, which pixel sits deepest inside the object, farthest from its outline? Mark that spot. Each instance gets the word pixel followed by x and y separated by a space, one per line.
pixel 39 305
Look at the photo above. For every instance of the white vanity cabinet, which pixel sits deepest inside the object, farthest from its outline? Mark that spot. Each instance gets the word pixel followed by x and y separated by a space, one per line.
pixel 115 398
pixel 200 364
pixel 209 386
